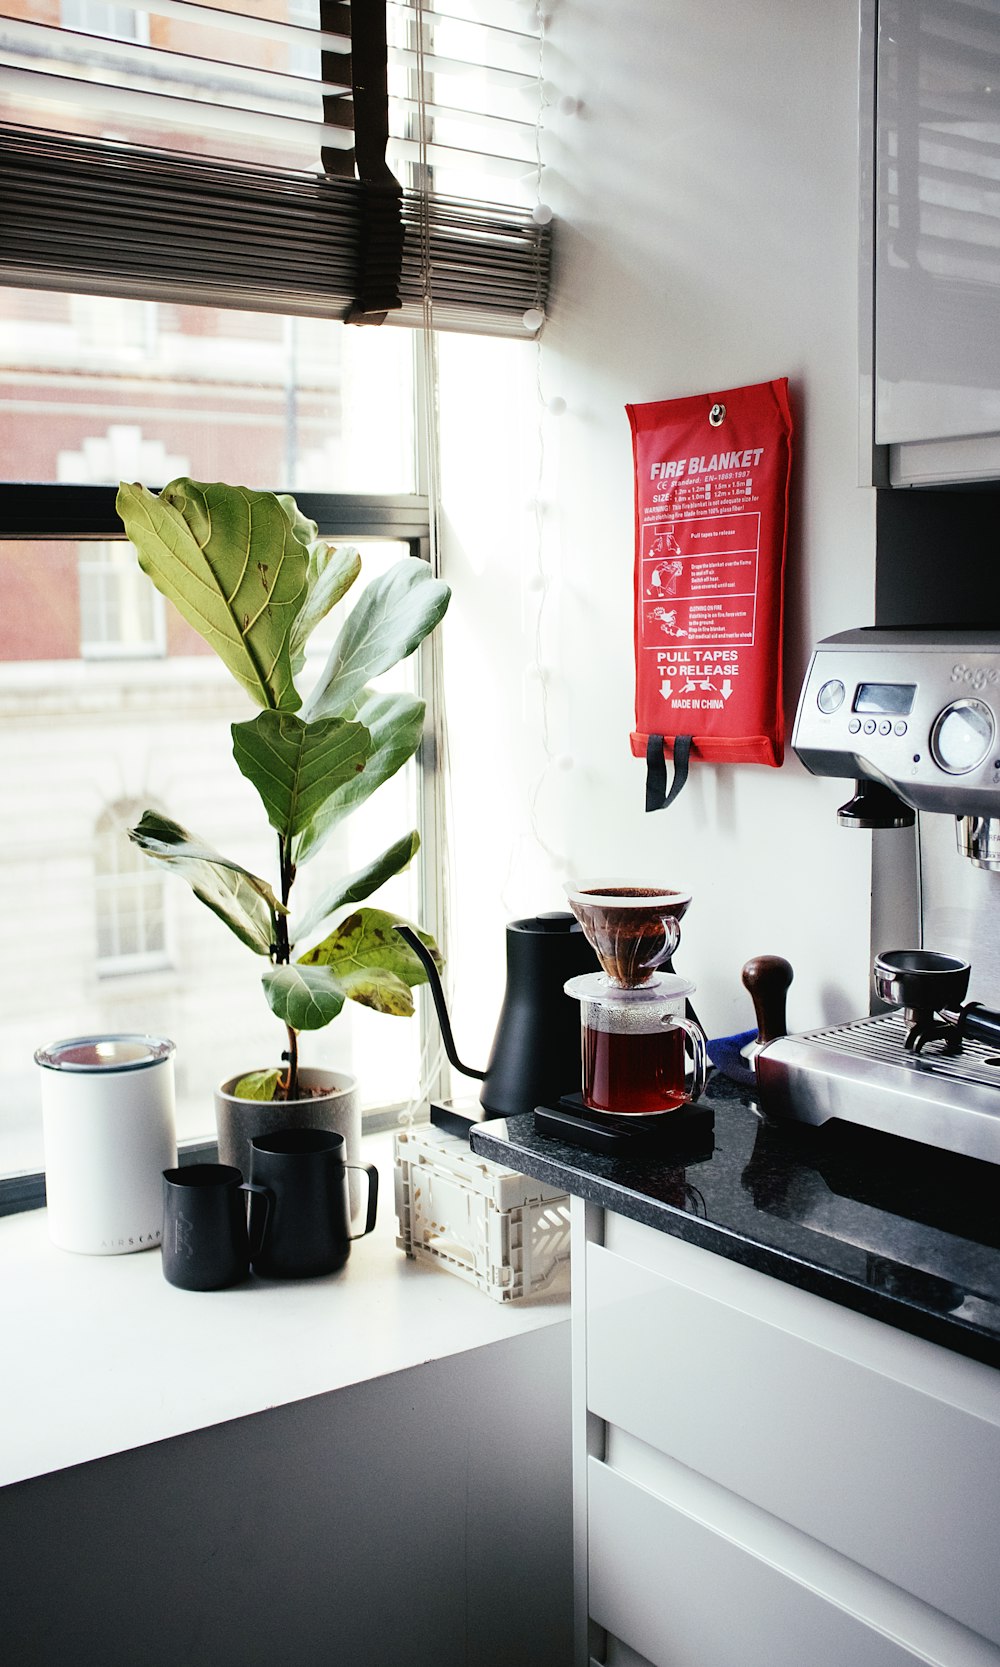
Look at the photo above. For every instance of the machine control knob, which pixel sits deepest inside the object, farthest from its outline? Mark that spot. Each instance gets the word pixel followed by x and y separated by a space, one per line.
pixel 831 696
pixel 962 736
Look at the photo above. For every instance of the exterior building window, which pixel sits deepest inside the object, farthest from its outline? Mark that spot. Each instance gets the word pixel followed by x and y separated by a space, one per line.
pixel 131 914
pixel 103 17
pixel 121 612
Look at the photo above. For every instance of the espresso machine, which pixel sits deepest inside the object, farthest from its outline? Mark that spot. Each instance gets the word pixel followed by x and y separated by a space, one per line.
pixel 912 718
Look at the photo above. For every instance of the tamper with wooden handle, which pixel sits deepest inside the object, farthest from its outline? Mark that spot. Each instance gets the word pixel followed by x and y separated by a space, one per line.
pixel 767 978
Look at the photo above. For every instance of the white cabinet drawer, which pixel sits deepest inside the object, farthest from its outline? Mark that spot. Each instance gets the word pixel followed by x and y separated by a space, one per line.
pixel 819 1430
pixel 701 1580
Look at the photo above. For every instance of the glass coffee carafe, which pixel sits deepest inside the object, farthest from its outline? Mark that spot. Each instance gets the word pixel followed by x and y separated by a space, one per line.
pixel 633 1023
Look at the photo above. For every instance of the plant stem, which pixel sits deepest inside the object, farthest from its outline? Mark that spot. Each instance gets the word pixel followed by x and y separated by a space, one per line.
pixel 290 1085
pixel 292 1079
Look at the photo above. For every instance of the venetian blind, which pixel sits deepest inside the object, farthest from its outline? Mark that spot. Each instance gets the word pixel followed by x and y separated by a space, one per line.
pixel 336 160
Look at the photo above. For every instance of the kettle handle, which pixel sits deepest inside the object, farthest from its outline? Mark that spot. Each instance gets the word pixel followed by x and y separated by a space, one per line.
pixel 426 960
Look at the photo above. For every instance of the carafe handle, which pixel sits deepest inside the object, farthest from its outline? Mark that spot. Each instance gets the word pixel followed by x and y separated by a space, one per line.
pixel 699 1054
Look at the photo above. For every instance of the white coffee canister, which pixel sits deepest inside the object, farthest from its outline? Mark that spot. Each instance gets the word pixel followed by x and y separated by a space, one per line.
pixel 109 1132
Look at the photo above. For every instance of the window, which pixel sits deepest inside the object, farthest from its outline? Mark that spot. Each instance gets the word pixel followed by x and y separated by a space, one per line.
pixel 102 17
pixel 105 941
pixel 109 701
pixel 274 402
pixel 181 244
pixel 121 613
pixel 129 897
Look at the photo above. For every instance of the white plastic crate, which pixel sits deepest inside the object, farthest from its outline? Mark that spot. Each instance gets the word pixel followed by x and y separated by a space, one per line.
pixel 491 1225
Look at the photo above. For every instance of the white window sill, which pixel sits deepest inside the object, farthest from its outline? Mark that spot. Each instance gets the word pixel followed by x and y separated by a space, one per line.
pixel 101 1355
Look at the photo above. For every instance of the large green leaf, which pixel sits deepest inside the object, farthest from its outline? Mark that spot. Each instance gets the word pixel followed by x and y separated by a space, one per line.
pixel 391 616
pixel 359 885
pixel 296 767
pixel 366 939
pixel 231 563
pixel 395 724
pixel 333 569
pixel 306 998
pixel 246 903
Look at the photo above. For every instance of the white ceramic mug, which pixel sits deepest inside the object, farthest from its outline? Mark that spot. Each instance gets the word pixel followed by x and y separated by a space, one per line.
pixel 108 1126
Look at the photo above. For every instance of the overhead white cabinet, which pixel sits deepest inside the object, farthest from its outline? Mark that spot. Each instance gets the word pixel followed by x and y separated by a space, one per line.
pixel 764 1477
pixel 932 194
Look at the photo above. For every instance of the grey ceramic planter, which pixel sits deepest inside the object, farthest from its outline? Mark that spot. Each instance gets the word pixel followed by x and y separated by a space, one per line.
pixel 237 1121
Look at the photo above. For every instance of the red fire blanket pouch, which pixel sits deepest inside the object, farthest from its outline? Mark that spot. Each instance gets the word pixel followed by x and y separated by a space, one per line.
pixel 711 516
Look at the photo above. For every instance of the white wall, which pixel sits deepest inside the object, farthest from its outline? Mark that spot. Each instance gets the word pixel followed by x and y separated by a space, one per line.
pixel 705 193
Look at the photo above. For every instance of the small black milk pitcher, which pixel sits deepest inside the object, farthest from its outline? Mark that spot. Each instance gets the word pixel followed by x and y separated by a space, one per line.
pixel 302 1175
pixel 205 1245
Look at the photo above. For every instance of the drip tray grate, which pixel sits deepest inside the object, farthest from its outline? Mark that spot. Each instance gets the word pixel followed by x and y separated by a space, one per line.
pixel 882 1039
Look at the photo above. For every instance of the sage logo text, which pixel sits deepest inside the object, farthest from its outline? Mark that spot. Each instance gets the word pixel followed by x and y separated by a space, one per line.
pixel 975 677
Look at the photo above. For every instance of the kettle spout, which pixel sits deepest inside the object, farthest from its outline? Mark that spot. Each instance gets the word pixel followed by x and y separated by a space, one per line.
pixel 426 960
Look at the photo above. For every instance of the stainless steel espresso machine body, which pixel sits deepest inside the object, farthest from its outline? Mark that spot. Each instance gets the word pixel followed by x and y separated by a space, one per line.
pixel 913 718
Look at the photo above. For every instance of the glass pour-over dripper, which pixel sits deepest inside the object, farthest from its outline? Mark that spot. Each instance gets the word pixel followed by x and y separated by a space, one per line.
pixel 633 927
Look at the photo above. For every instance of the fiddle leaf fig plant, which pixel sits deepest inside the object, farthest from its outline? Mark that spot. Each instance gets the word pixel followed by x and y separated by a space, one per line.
pixel 251 574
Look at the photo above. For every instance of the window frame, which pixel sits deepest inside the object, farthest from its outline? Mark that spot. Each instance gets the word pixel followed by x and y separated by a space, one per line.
pixel 42 512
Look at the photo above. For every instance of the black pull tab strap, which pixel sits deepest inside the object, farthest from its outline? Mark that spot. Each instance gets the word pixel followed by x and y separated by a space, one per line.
pixel 657 797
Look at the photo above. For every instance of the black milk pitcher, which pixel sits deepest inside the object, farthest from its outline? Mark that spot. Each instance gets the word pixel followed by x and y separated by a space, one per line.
pixel 205 1243
pixel 302 1175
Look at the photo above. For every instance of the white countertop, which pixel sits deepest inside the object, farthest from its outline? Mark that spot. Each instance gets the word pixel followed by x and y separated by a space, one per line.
pixel 102 1355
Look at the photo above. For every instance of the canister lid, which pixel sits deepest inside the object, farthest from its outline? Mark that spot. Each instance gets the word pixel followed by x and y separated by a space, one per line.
pixel 598 987
pixel 104 1053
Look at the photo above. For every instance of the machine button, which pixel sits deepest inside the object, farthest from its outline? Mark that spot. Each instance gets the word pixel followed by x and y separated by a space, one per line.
pixel 831 696
pixel 962 736
pixel 885 727
pixel 854 725
pixel 869 726
pixel 899 728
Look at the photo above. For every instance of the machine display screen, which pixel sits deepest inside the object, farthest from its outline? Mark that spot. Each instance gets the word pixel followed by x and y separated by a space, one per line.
pixel 895 700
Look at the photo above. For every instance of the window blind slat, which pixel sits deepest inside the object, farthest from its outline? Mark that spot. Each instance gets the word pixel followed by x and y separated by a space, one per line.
pixel 195 17
pixel 81 97
pixel 148 68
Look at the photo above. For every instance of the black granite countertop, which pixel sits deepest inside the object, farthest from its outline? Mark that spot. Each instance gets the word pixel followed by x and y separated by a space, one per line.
pixel 901 1232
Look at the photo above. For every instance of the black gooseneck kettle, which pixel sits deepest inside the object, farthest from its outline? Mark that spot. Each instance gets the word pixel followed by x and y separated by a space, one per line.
pixel 535 1056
